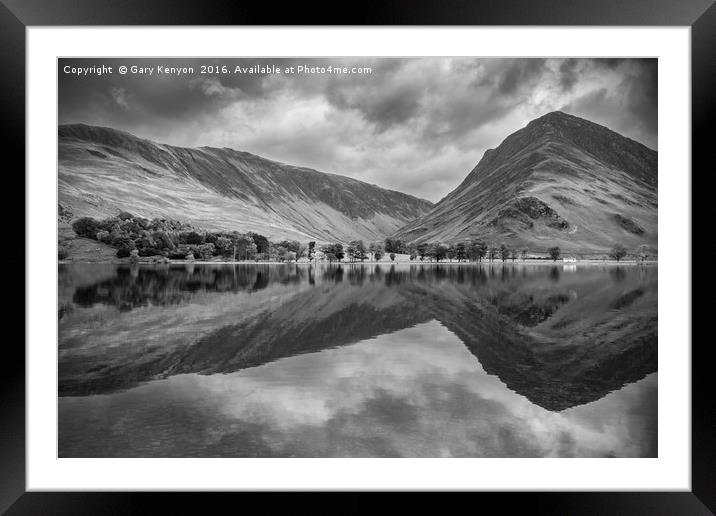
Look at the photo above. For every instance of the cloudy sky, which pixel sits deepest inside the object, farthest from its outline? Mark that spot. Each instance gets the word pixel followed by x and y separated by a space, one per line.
pixel 416 125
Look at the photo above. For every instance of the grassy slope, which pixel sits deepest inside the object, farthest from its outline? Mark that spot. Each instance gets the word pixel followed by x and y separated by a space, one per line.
pixel 83 249
pixel 102 171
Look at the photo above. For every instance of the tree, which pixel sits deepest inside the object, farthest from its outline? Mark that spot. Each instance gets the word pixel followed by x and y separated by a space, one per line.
pixel 460 251
pixel 282 253
pixel 86 227
pixel 163 240
pixel 554 253
pixel 122 240
pixel 642 252
pixel 450 252
pixel 125 215
pixel 618 252
pixel 504 252
pixel 422 250
pixel 225 246
pixel 356 250
pixel 476 250
pixel 492 253
pixel 293 246
pixel 206 251
pixel 311 250
pixel 392 257
pixel 145 241
pixel 194 238
pixel 437 251
pixel 330 257
pixel 250 251
pixel 123 252
pixel 262 243
pixel 334 249
pixel 300 250
pixel 523 254
pixel 242 247
pixel 413 251
pixel 394 245
pixel 376 249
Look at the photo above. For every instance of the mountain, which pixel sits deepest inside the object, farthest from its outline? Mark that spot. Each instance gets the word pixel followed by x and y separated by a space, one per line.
pixel 561 180
pixel 103 171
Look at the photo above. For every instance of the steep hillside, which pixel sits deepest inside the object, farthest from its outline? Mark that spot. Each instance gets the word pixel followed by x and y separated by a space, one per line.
pixel 103 171
pixel 561 180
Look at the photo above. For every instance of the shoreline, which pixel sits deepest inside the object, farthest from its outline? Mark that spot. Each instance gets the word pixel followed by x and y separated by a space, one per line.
pixel 499 263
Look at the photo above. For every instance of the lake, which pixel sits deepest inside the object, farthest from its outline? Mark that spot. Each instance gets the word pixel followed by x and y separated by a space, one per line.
pixel 454 360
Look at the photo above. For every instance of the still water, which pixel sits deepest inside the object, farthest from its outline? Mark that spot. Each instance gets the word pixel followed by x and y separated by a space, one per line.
pixel 365 360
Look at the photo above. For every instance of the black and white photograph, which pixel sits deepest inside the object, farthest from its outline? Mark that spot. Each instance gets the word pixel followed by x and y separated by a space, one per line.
pixel 375 257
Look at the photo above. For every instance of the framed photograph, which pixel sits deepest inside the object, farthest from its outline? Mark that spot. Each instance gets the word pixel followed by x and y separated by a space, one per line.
pixel 269 251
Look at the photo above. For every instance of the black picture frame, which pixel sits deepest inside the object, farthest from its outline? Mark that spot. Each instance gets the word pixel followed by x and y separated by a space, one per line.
pixel 17 15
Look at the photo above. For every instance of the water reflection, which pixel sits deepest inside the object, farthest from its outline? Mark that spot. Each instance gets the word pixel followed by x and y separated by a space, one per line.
pixel 357 360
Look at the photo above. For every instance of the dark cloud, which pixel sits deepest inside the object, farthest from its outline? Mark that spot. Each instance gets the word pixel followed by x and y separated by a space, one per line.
pixel 518 74
pixel 628 105
pixel 569 74
pixel 413 124
pixel 386 108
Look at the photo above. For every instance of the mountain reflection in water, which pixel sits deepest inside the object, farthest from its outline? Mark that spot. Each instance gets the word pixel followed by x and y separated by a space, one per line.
pixel 382 361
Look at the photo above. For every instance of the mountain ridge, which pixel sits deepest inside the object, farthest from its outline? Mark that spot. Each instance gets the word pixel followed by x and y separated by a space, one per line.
pixel 560 180
pixel 104 170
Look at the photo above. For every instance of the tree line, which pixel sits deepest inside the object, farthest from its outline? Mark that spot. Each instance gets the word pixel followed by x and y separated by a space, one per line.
pixel 137 236
pixel 473 250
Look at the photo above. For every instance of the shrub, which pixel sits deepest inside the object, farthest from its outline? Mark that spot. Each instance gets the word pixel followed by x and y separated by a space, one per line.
pixel 125 215
pixel 123 252
pixel 392 257
pixel 86 227
pixel 134 256
pixel 190 257
pixel 61 253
